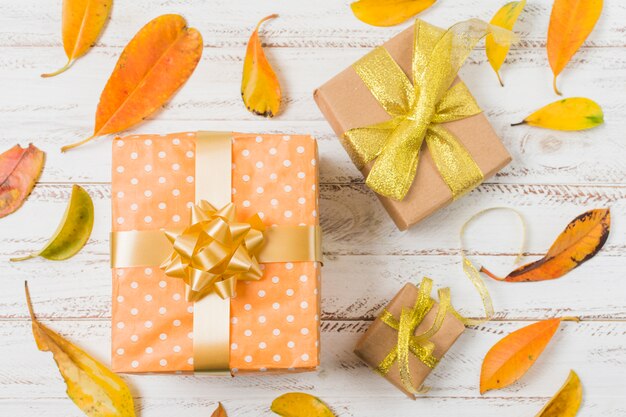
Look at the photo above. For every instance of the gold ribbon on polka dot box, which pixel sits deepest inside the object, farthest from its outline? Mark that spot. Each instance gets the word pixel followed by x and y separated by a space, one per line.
pixel 191 296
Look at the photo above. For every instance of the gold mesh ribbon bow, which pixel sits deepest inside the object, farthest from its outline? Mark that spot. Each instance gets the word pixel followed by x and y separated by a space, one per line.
pixel 418 110
pixel 215 251
pixel 410 318
pixel 408 343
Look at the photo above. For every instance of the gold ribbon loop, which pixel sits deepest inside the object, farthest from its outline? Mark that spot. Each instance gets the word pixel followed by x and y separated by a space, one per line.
pixel 215 252
pixel 417 109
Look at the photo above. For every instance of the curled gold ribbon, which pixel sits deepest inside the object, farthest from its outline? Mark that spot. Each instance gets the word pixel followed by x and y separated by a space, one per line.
pixel 215 252
pixel 420 345
pixel 418 109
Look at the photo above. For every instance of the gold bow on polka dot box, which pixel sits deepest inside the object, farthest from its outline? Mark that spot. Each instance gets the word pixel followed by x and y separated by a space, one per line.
pixel 215 251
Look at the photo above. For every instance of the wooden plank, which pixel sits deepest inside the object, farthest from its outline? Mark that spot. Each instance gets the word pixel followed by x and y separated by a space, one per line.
pixel 353 288
pixel 594 350
pixel 55 112
pixel 324 23
pixel 355 223
pixel 342 405
pixel 356 286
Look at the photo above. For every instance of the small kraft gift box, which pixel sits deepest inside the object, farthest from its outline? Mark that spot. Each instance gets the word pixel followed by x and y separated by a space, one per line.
pixel 215 253
pixel 410 125
pixel 410 336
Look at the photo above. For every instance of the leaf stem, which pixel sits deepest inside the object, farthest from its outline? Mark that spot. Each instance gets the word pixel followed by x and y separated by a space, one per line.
pixel 490 274
pixel 24 258
pixel 29 302
pixel 60 70
pixel 570 318
pixel 523 122
pixel 556 89
pixel 500 78
pixel 266 18
pixel 77 144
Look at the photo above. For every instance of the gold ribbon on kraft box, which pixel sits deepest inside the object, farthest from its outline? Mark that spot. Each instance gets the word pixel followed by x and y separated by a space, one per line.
pixel 419 108
pixel 215 251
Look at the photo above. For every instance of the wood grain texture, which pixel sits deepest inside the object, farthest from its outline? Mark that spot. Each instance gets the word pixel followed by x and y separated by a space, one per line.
pixel 362 244
pixel 32 374
pixel 320 24
pixel 61 111
pixel 554 177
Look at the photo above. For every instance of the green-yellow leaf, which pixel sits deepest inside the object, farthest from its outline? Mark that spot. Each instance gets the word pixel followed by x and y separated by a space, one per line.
pixel 566 402
pixel 575 113
pixel 74 230
pixel 504 18
pixel 299 404
pixel 96 390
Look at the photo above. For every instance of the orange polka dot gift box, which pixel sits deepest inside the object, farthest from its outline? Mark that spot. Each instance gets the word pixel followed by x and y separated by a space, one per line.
pixel 215 253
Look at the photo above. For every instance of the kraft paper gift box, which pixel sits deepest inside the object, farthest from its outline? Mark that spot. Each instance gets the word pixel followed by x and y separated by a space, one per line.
pixel 380 339
pixel 272 324
pixel 347 103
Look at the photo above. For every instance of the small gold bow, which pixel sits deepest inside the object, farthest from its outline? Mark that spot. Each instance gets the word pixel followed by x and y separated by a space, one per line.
pixel 418 345
pixel 215 251
pixel 418 109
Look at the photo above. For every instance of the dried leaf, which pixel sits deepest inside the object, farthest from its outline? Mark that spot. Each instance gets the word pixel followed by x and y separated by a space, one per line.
pixel 504 18
pixel 73 231
pixel 510 358
pixel 566 402
pixel 571 22
pixel 576 113
pixel 97 391
pixel 83 20
pixel 388 12
pixel 19 171
pixel 299 404
pixel 580 241
pixel 260 89
pixel 154 64
pixel 219 411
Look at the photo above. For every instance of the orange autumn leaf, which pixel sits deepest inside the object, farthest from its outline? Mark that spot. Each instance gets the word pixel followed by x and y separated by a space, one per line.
pixel 580 241
pixel 509 359
pixel 83 21
pixel 96 390
pixel 219 411
pixel 260 89
pixel 571 22
pixel 388 12
pixel 154 64
pixel 19 170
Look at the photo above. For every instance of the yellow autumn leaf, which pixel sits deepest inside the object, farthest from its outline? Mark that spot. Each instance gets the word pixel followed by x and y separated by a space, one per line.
pixel 73 231
pixel 388 12
pixel 566 402
pixel 577 113
pixel 96 390
pixel 504 18
pixel 299 404
pixel 260 89
pixel 83 20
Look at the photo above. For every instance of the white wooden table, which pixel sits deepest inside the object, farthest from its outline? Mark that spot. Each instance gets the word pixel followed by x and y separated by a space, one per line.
pixel 554 177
